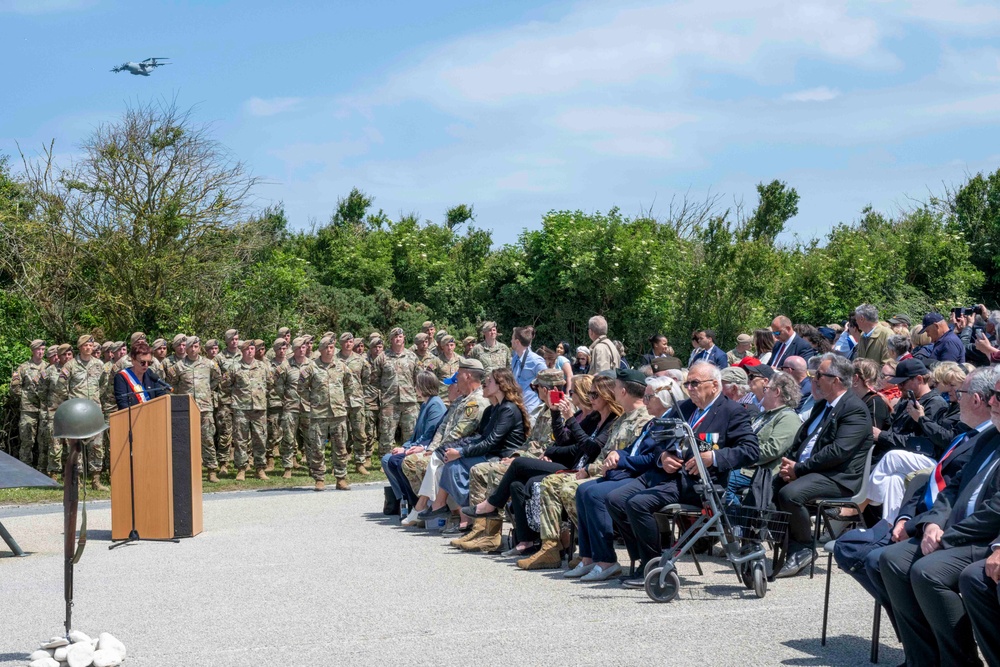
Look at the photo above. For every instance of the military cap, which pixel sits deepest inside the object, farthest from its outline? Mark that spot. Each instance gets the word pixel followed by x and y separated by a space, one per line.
pixel 375 341
pixel 211 342
pixel 106 346
pixel 551 377
pixel 230 334
pixel 425 326
pixel 179 339
pixel 450 380
pixel 420 337
pixel 37 343
pixel 64 348
pixel 375 334
pixel 487 326
pixel 630 375
pixel 734 375
pixel 743 339
pixel 446 339
pixel 396 331
pixel 118 345
pixel 326 341
pixel 468 339
pixel 612 373
pixel 659 364
pixel 346 336
pixel 329 334
pixel 471 365
pixel 309 338
pixel 244 344
pixel 51 349
pixel 191 340
pixel 83 340
pixel 158 343
pixel 258 343
pixel 439 335
pixel 298 342
pixel 137 336
pixel 284 331
pixel 279 342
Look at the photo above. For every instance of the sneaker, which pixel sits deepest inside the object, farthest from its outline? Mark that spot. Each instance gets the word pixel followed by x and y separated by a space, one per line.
pixel 579 571
pixel 602 574
pixel 412 519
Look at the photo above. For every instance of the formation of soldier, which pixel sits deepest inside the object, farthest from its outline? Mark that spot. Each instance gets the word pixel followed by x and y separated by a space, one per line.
pixel 261 404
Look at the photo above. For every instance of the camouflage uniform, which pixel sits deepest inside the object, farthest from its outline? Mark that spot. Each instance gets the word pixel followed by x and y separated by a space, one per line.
pixel 85 379
pixel 275 401
pixel 371 393
pixel 498 356
pixel 446 369
pixel 395 374
pixel 27 385
pixel 461 420
pixel 485 477
pixel 247 384
pixel 51 402
pixel 558 491
pixel 200 378
pixel 357 436
pixel 294 415
pixel 327 388
pixel 428 362
pixel 224 418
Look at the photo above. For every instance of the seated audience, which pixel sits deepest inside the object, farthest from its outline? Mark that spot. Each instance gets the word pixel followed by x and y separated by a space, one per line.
pixel 707 351
pixel 947 345
pixel 736 386
pixel 904 432
pixel 763 343
pixel 787 343
pixel 900 346
pixel 866 382
pixel 432 410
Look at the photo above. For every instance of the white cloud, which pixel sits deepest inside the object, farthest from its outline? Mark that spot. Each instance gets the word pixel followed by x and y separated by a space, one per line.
pixel 820 94
pixel 257 106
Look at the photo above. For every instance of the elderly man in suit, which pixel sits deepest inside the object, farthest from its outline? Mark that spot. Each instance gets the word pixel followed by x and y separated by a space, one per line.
pixel 787 343
pixel 715 419
pixel 828 456
pixel 922 574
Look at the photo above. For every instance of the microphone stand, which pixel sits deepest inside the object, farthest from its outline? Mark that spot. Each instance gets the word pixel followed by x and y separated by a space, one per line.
pixel 133 535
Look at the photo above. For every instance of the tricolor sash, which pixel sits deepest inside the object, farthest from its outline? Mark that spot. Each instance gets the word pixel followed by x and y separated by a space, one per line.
pixel 134 385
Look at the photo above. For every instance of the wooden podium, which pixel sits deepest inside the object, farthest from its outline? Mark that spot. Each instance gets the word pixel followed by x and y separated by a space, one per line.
pixel 166 453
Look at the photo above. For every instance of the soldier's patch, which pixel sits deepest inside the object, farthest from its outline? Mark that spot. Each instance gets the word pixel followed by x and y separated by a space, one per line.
pixel 470 410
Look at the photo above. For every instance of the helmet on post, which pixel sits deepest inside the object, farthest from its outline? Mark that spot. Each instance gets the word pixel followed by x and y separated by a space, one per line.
pixel 77 419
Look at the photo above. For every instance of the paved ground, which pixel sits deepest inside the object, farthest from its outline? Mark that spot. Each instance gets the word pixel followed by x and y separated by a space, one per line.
pixel 293 577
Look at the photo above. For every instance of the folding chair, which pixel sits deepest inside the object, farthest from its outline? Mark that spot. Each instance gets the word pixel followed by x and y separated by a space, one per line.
pixel 876 620
pixel 853 501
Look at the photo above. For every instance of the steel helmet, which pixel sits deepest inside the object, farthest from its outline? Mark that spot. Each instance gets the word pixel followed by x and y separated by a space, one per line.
pixel 77 419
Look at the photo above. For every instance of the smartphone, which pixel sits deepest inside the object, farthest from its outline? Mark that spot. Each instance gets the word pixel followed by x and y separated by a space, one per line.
pixel 555 395
pixel 910 396
pixel 957 312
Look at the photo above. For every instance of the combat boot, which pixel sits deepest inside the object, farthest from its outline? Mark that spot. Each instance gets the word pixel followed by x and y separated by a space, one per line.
pixel 241 474
pixel 320 485
pixel 213 477
pixel 270 464
pixel 261 474
pixel 362 470
pixel 478 526
pixel 547 558
pixel 95 482
pixel 343 484
pixel 224 469
pixel 287 474
pixel 489 540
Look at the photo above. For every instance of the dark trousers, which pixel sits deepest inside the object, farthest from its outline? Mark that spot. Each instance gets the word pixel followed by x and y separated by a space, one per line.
pixel 870 578
pixel 632 507
pixel 933 625
pixel 519 494
pixel 394 470
pixel 597 531
pixel 792 498
pixel 979 593
pixel 521 469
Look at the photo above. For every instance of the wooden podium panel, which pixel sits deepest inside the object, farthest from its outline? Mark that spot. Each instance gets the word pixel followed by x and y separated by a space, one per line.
pixel 166 458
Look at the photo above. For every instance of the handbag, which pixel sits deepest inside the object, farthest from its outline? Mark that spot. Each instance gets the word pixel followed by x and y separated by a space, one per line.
pixel 854 546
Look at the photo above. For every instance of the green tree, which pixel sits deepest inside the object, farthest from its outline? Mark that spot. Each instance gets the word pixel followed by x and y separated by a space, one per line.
pixel 975 210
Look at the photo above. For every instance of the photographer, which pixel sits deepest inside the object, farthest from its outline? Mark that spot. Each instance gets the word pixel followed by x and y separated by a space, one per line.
pixel 980 340
pixel 905 432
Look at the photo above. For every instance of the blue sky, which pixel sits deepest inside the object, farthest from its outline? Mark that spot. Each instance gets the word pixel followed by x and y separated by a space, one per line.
pixel 519 108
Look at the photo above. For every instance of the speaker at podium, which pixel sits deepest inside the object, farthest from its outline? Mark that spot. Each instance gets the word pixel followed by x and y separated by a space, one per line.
pixel 164 470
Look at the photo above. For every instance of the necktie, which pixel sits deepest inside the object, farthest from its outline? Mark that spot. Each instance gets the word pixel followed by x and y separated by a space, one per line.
pixel 776 355
pixel 936 482
pixel 813 432
pixel 819 420
pixel 963 511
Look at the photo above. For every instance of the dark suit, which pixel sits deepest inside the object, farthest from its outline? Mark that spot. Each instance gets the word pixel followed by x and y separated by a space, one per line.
pixel 933 625
pixel 633 504
pixel 979 595
pixel 833 470
pixel 796 347
pixel 715 356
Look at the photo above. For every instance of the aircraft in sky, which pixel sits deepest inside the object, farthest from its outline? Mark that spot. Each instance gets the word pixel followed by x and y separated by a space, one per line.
pixel 143 68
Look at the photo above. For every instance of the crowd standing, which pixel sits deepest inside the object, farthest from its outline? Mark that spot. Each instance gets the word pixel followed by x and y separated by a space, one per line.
pixel 562 441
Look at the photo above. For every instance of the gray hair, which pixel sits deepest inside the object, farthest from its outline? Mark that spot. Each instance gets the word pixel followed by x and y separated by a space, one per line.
pixel 714 371
pixel 900 344
pixel 814 362
pixel 664 385
pixel 840 366
pixel 598 325
pixel 982 380
pixel 867 312
pixel 994 319
pixel 788 389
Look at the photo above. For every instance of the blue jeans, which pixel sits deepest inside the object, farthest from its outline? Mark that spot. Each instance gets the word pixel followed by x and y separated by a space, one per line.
pixel 455 478
pixel 737 482
pixel 392 465
pixel 597 531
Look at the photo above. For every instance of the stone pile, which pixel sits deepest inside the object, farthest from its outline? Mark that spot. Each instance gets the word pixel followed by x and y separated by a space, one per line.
pixel 78 650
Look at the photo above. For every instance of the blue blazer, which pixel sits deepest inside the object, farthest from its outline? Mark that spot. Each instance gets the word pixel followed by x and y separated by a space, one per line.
pixel 730 421
pixel 797 347
pixel 716 357
pixel 639 457
pixel 429 418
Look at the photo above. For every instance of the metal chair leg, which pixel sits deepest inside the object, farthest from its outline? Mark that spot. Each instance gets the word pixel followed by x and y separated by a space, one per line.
pixel 876 627
pixel 694 557
pixel 826 597
pixel 11 542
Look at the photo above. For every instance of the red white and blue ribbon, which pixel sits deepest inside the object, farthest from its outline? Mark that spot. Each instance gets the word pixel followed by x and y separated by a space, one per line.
pixel 140 392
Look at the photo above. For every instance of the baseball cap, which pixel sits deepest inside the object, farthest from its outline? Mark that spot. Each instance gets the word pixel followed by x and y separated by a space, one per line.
pixel 760 371
pixel 900 319
pixel 907 370
pixel 931 319
pixel 448 381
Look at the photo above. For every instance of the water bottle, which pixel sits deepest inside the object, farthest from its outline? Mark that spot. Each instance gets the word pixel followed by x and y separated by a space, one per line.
pixel 404 508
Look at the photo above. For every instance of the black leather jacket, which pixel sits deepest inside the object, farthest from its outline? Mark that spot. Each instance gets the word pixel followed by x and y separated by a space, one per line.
pixel 500 434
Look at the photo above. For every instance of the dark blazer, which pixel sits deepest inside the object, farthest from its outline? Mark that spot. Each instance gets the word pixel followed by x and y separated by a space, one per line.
pixel 982 526
pixel 501 433
pixel 730 421
pixel 150 381
pixel 913 503
pixel 797 347
pixel 943 430
pixel 634 460
pixel 586 441
pixel 843 444
pixel 903 430
pixel 716 357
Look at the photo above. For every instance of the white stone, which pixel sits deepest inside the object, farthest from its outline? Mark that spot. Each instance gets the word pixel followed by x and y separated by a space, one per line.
pixel 107 658
pixel 44 662
pixel 55 642
pixel 40 654
pixel 80 655
pixel 107 641
pixel 60 653
pixel 75 637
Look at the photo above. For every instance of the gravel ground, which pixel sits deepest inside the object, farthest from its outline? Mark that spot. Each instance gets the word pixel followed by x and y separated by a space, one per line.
pixel 293 577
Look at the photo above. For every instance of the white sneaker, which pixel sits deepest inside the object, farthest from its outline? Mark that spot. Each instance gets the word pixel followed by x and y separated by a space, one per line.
pixel 601 574
pixel 579 571
pixel 411 519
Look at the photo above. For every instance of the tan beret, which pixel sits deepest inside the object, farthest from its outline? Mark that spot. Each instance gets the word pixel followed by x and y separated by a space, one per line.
pixel 421 337
pixel 446 339
pixel 106 346
pixel 284 331
pixel 158 343
pixel 179 339
pixel 469 339
pixel 279 342
pixel 244 344
pixel 51 349
pixel 191 340
pixel 83 340
pixel 211 342
pixel 230 334
pixel 37 343
pixel 487 326
pixel 298 342
pixel 137 336
pixel 396 331
pixel 346 336
pixel 326 341
pixel 64 348
pixel 425 326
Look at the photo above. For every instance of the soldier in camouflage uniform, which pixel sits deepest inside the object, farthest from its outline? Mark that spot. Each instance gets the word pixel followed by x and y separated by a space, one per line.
pixel 125 361
pixel 247 384
pixel 468 343
pixel 200 377
pixel 224 418
pixel 27 385
pixel 370 392
pixel 63 353
pixel 357 440
pixel 327 386
pixel 178 345
pixel 558 492
pixel 394 373
pixel 283 332
pixel 425 360
pixel 295 413
pixel 425 328
pixel 448 364
pixel 159 350
pixel 85 377
pixel 276 368
pixel 491 352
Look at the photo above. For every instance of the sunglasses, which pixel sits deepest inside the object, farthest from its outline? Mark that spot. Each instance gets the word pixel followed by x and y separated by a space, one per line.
pixel 775 333
pixel 141 362
pixel 691 384
pixel 994 395
pixel 593 394
pixel 825 375
pixel 571 392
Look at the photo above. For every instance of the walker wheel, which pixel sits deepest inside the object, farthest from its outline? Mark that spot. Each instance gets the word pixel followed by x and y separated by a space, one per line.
pixel 653 562
pixel 759 580
pixel 665 592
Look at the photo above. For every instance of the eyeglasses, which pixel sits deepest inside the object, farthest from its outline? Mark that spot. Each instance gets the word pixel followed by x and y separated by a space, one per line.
pixel 691 384
pixel 787 369
pixel 959 393
pixel 825 375
pixel 592 395
pixel 646 398
pixel 993 395
pixel 775 333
